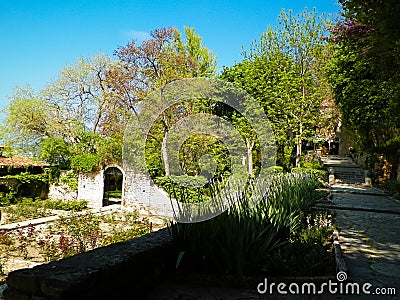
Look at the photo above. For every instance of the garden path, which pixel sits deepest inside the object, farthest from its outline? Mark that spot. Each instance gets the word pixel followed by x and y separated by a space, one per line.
pixel 368 221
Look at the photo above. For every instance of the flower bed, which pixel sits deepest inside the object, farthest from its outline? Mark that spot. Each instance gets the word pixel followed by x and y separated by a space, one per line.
pixel 69 235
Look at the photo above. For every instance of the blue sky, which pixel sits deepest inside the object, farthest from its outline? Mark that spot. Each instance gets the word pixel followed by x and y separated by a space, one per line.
pixel 39 38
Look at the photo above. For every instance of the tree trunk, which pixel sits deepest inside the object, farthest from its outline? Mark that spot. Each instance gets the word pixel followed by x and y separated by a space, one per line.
pixel 298 147
pixel 300 135
pixel 165 153
pixel 164 141
pixel 249 146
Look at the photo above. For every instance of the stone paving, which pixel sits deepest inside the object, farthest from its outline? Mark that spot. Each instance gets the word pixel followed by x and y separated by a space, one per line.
pixel 368 221
pixel 370 240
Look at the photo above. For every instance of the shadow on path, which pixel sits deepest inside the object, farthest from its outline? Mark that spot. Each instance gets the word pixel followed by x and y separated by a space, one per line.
pixel 368 222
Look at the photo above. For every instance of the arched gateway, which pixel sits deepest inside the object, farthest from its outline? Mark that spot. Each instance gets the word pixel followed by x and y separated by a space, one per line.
pixel 113 184
pixel 103 187
pixel 114 177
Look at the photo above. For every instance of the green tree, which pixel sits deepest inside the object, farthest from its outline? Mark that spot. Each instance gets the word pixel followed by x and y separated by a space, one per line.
pixel 269 82
pixel 79 98
pixel 364 74
pixel 282 71
pixel 26 122
pixel 203 59
pixel 164 58
pixel 56 151
pixel 57 121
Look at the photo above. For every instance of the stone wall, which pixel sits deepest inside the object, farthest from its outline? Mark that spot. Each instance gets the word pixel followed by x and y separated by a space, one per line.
pixel 131 268
pixel 91 188
pixel 140 192
pixel 61 191
pixel 136 187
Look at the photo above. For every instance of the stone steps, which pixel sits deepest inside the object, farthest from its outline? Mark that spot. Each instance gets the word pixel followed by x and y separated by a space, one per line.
pixel 344 170
pixel 349 175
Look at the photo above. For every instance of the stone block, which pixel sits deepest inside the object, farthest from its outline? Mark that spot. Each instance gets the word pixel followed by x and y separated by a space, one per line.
pixel 91 188
pixel 137 263
pixel 23 281
pixel 331 179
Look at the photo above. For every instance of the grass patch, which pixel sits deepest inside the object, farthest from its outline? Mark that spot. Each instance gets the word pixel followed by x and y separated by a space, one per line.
pixel 28 208
pixel 113 194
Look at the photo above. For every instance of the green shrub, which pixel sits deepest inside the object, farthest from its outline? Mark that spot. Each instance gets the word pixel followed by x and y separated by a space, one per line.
pixel 113 194
pixel 7 198
pixel 69 205
pixel 392 187
pixel 26 177
pixel 28 185
pixel 263 224
pixel 313 164
pixel 316 173
pixel 275 170
pixel 309 253
pixel 85 162
pixel 186 189
pixel 235 242
pixel 76 234
pixel 70 179
pixel 124 234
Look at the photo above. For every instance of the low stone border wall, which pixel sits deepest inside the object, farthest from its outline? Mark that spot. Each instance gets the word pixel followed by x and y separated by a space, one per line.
pixel 103 273
pixel 133 268
pixel 339 260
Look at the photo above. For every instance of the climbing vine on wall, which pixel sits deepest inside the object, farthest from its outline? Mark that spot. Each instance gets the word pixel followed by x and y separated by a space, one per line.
pixel 26 177
pixel 70 179
pixel 85 162
pixel 22 185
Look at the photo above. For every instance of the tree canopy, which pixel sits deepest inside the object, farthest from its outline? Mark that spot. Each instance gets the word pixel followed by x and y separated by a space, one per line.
pixel 283 72
pixel 364 74
pixel 84 111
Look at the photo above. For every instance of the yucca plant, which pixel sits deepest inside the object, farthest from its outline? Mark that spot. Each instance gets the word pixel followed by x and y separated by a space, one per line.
pixel 262 218
pixel 235 242
pixel 291 198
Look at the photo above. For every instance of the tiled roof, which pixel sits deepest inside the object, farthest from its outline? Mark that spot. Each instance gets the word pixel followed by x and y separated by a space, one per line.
pixel 20 162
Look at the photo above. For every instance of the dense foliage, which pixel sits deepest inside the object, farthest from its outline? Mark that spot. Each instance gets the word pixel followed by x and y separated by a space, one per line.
pixel 259 237
pixel 24 184
pixel 284 72
pixel 364 74
pixel 78 120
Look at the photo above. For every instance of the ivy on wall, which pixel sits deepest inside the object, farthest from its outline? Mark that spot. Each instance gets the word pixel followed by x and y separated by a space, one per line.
pixel 85 162
pixel 22 185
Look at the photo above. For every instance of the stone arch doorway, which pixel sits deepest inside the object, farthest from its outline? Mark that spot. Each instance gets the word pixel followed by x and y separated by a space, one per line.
pixel 113 185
